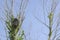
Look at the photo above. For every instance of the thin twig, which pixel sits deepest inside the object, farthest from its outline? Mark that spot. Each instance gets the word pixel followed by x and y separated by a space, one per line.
pixel 42 22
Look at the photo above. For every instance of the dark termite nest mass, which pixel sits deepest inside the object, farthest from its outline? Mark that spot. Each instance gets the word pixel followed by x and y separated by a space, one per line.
pixel 15 23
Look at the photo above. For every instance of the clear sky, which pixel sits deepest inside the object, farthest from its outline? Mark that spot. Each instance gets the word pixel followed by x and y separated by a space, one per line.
pixel 31 25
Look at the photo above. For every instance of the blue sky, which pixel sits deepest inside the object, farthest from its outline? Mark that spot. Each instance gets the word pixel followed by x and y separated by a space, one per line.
pixel 31 24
